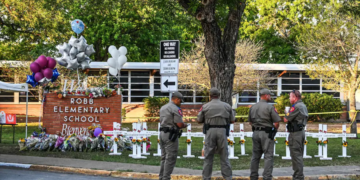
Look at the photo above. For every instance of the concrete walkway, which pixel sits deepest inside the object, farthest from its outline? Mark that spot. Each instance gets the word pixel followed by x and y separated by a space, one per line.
pixel 113 166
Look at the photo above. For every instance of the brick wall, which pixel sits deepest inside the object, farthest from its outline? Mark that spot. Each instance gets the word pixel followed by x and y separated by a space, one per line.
pixel 54 121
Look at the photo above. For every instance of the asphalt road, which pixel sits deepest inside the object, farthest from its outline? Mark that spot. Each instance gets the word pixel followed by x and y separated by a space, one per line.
pixel 7 173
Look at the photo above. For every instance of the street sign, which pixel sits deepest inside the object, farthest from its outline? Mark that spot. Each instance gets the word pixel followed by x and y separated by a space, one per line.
pixel 169 83
pixel 169 66
pixel 169 49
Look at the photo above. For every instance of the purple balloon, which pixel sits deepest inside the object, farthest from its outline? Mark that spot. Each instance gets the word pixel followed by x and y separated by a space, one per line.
pixel 97 132
pixel 51 63
pixel 42 61
pixel 38 76
pixel 48 73
pixel 34 67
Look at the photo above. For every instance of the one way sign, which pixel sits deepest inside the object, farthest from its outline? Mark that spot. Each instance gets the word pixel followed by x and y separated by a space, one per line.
pixel 169 83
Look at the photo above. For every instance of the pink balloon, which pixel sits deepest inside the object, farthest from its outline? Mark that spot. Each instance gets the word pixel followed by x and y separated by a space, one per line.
pixel 42 61
pixel 34 67
pixel 48 73
pixel 51 63
pixel 38 76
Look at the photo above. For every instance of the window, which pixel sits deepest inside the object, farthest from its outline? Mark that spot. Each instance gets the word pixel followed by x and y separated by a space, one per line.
pixel 33 96
pixel 248 97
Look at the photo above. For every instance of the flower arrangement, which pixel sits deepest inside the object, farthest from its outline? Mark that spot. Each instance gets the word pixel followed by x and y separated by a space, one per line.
pixel 286 143
pixel 306 142
pixel 133 141
pixel 116 139
pixel 188 141
pixel 275 141
pixel 144 139
pixel 118 87
pixel 22 140
pixel 345 143
pixel 325 142
pixel 319 142
pixel 230 142
pixel 242 141
pixel 158 140
pixel 138 141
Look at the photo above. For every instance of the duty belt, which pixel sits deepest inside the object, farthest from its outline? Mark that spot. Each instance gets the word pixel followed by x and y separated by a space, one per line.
pixel 165 129
pixel 217 126
pixel 261 128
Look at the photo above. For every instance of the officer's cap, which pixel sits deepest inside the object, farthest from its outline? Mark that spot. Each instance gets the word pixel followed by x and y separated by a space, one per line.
pixel 214 92
pixel 265 91
pixel 178 95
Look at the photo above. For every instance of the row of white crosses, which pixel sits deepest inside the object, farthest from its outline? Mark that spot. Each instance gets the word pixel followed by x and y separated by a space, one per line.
pixel 140 131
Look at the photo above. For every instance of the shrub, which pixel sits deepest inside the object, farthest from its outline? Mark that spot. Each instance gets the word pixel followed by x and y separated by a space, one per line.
pixel 153 105
pixel 242 110
pixel 123 112
pixel 315 103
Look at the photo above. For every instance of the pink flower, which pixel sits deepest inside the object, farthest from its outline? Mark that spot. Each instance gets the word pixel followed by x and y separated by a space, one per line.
pixel 91 95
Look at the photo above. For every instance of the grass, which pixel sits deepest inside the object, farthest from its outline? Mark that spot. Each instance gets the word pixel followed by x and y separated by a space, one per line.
pixel 334 149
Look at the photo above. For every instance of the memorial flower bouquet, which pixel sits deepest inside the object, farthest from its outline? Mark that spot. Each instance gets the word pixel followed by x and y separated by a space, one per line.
pixel 242 141
pixel 319 142
pixel 306 142
pixel 188 141
pixel 345 143
pixel 22 143
pixel 139 141
pixel 325 142
pixel 286 143
pixel 133 141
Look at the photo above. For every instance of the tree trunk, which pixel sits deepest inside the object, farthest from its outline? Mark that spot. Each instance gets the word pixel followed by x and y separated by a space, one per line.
pixel 353 128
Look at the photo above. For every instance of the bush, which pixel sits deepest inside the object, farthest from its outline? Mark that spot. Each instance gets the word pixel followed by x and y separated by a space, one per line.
pixel 153 105
pixel 242 110
pixel 315 103
pixel 123 112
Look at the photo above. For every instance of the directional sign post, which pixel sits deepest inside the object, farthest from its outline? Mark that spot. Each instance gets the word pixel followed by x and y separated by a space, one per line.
pixel 169 65
pixel 169 83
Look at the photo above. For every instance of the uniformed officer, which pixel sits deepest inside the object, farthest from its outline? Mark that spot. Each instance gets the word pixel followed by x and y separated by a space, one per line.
pixel 297 119
pixel 170 123
pixel 264 120
pixel 217 116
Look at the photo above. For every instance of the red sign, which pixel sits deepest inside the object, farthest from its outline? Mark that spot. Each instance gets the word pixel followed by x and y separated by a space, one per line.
pixel 10 118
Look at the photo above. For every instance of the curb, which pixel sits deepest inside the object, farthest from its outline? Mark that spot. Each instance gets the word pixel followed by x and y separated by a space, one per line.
pixel 138 175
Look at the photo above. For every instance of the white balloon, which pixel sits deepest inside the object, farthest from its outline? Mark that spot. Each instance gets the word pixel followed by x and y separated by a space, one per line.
pixel 121 61
pixel 111 62
pixel 73 52
pixel 113 71
pixel 89 50
pixel 114 52
pixel 73 40
pixel 123 50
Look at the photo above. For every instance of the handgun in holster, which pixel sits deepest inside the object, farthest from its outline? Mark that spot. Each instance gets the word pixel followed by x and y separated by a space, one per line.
pixel 228 130
pixel 206 127
pixel 173 134
pixel 180 133
pixel 272 133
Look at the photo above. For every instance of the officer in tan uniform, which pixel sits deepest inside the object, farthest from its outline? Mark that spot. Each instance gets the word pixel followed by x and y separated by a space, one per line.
pixel 170 124
pixel 264 120
pixel 297 119
pixel 216 116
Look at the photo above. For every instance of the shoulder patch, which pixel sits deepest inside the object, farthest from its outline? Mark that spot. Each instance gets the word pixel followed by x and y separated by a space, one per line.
pixel 292 109
pixel 180 112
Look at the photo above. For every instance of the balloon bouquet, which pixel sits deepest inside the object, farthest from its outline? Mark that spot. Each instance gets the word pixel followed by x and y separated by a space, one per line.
pixel 76 53
pixel 44 71
pixel 116 62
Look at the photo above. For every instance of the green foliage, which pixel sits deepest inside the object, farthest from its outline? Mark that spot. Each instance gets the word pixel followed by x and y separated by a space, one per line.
pixel 315 103
pixel 242 110
pixel 153 106
pixel 123 112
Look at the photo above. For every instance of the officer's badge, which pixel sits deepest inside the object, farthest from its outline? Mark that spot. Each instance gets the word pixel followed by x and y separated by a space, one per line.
pixel 200 109
pixel 292 109
pixel 180 112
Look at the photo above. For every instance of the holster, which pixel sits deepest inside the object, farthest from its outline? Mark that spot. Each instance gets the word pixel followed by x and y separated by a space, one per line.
pixel 272 133
pixel 294 127
pixel 173 134
pixel 228 130
pixel 180 133
pixel 206 127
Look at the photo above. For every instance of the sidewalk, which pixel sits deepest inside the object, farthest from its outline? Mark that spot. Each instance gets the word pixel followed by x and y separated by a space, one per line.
pixel 285 172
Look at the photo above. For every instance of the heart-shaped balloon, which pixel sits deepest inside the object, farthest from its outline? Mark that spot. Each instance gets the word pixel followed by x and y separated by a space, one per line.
pixel 113 71
pixel 112 62
pixel 123 50
pixel 121 61
pixel 114 52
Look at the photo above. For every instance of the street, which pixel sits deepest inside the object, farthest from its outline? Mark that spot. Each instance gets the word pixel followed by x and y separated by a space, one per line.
pixel 21 174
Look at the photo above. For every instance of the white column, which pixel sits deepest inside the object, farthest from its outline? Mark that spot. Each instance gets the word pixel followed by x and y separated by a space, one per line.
pixel 144 143
pixel 158 144
pixel 242 137
pixel 287 157
pixel 320 139
pixel 325 155
pixel 188 146
pixel 305 156
pixel 133 137
pixel 203 157
pixel 231 148
pixel 344 152
pixel 138 152
pixel 275 148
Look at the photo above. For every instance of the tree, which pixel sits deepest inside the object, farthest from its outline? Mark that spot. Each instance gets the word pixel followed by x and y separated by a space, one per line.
pixel 194 71
pixel 332 47
pixel 220 22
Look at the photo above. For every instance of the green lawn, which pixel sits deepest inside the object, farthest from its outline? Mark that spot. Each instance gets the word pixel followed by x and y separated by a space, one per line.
pixel 6 147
